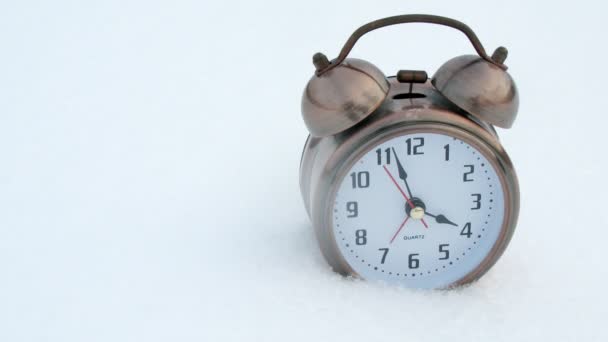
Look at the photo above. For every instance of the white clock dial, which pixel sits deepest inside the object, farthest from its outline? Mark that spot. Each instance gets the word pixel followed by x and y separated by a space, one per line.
pixel 421 209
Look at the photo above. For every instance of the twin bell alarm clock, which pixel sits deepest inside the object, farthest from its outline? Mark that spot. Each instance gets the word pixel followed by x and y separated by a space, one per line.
pixel 403 177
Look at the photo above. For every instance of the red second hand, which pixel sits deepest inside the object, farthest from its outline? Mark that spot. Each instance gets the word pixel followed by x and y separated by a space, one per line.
pixel 402 192
pixel 400 227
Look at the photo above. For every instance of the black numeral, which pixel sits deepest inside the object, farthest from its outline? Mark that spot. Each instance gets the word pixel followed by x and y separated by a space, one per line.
pixel 447 152
pixel 466 230
pixel 384 253
pixel 361 236
pixel 352 208
pixel 360 179
pixel 465 176
pixel 412 148
pixel 477 201
pixel 387 153
pixel 412 262
pixel 444 249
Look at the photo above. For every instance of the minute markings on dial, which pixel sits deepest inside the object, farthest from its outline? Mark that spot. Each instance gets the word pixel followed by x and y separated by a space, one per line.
pixel 386 223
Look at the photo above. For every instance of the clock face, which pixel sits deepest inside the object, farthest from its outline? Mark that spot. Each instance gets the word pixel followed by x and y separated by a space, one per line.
pixel 421 209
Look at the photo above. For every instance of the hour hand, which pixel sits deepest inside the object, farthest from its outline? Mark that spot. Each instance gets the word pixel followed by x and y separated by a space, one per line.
pixel 442 219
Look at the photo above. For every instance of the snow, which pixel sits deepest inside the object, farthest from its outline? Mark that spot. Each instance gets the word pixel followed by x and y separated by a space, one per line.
pixel 149 174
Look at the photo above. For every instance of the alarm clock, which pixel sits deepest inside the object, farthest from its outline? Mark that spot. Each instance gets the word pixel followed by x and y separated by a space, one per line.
pixel 404 177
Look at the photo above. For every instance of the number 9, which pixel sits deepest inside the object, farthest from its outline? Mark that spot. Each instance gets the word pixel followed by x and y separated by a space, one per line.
pixel 352 208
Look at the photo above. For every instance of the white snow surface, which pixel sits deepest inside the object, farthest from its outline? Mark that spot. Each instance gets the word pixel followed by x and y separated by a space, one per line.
pixel 149 173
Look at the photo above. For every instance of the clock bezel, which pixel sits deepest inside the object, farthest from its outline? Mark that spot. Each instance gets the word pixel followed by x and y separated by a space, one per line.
pixel 356 146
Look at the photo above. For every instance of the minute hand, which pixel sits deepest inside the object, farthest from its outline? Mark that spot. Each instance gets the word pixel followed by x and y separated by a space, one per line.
pixel 402 173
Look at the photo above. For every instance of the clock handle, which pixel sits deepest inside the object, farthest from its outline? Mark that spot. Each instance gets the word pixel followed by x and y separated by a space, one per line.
pixel 496 59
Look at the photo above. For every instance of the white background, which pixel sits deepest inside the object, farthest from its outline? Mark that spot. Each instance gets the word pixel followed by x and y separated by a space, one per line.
pixel 149 173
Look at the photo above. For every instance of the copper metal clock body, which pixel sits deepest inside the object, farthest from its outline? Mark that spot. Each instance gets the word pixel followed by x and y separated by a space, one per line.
pixel 325 160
